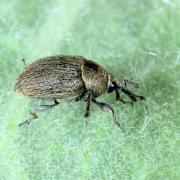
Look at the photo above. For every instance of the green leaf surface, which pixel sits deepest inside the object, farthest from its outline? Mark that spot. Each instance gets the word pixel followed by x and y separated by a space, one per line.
pixel 136 40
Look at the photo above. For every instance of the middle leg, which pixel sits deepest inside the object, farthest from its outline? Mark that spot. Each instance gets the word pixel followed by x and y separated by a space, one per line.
pixel 106 107
pixel 88 100
pixel 118 98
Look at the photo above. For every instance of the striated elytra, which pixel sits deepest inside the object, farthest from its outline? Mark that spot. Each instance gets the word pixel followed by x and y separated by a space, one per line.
pixel 73 78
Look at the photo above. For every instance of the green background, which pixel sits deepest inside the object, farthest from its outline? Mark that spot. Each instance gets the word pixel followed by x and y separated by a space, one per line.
pixel 137 40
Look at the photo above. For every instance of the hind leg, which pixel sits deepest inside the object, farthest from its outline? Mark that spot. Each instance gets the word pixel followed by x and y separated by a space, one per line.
pixel 36 109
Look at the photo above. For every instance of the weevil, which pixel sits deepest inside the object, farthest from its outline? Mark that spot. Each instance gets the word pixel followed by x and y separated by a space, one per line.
pixel 75 78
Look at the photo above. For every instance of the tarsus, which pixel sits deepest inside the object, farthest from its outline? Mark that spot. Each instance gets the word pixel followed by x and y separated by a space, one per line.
pixel 130 94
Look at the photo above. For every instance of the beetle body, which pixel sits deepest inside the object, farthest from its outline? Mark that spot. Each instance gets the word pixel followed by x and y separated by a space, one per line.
pixel 62 77
pixel 69 77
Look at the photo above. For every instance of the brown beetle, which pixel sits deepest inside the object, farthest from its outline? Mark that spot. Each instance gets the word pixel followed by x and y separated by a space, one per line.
pixel 72 78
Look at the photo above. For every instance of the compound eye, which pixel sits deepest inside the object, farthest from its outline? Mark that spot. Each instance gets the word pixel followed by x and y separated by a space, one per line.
pixel 113 84
pixel 112 87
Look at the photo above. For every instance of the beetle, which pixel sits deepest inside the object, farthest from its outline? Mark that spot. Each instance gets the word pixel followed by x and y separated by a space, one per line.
pixel 65 77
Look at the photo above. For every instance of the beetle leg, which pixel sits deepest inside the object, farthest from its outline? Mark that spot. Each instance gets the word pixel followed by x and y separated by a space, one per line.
pixel 131 95
pixel 86 114
pixel 28 121
pixel 107 107
pixel 36 109
pixel 118 98
pixel 83 96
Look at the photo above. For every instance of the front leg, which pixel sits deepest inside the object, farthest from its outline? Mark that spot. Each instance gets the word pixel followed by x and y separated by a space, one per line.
pixel 118 98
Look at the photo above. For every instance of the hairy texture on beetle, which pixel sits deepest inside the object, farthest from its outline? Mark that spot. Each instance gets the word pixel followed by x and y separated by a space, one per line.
pixel 95 77
pixel 56 77
pixel 91 65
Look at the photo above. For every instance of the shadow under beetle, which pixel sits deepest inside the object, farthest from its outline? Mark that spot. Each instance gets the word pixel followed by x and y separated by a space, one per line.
pixel 72 78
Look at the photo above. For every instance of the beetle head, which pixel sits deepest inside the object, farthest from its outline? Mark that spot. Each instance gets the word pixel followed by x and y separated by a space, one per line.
pixel 114 84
